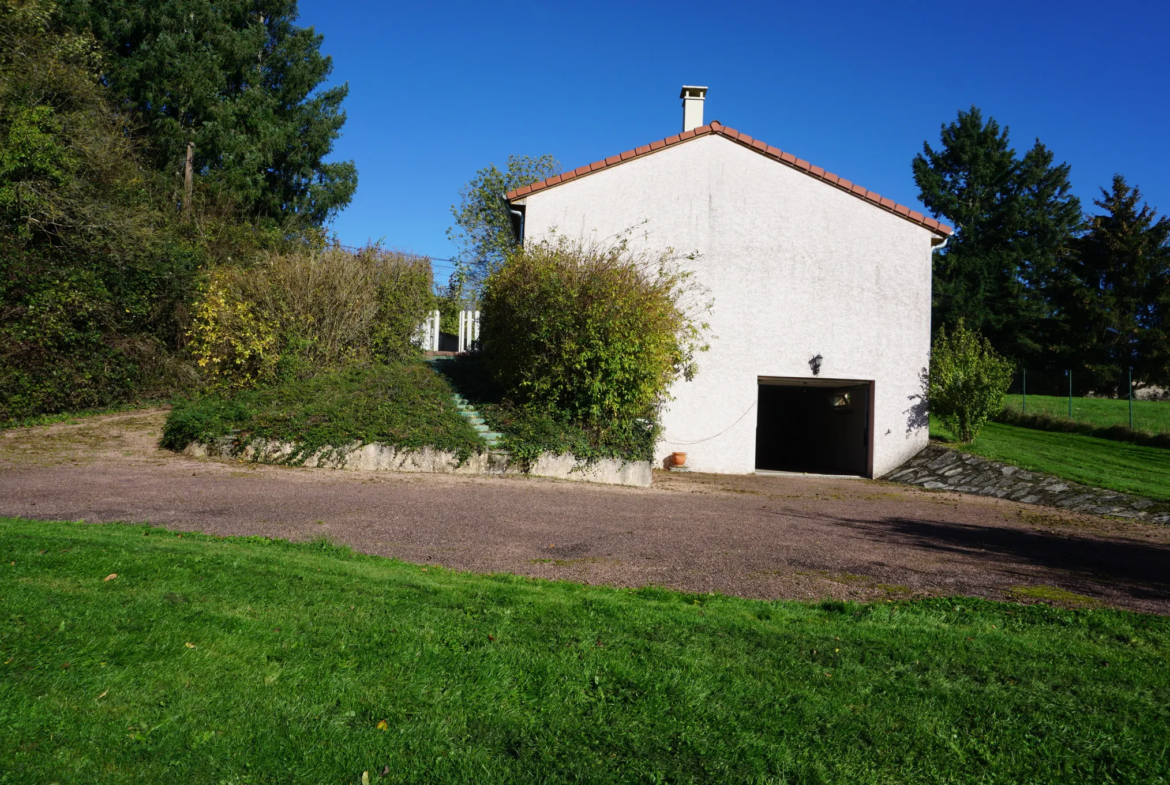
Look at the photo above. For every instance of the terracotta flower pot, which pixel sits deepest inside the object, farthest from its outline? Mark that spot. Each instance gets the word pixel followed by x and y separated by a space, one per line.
pixel 680 458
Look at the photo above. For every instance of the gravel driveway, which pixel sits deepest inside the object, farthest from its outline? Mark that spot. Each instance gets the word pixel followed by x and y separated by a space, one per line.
pixel 766 537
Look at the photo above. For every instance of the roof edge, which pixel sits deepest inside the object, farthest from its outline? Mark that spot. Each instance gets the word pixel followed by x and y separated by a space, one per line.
pixel 768 151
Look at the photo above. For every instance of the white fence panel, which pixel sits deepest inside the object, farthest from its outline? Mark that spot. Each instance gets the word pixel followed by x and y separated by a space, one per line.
pixel 426 336
pixel 468 331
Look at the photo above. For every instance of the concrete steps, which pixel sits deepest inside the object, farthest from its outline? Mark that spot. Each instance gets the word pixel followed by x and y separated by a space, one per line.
pixel 477 421
pixel 468 411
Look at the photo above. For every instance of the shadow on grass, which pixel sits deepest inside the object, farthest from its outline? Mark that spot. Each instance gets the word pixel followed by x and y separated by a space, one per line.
pixel 1137 569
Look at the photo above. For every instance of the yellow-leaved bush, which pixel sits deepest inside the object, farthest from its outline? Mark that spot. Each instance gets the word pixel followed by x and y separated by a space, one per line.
pixel 299 313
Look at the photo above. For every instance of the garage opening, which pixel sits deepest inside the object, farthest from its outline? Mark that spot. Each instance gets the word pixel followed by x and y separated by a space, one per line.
pixel 820 426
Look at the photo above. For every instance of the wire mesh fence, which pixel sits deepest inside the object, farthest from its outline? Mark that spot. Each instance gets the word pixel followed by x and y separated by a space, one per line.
pixel 1061 395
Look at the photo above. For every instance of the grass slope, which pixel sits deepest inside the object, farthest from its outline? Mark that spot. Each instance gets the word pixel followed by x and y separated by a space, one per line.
pixel 1102 463
pixel 249 661
pixel 1153 416
pixel 406 405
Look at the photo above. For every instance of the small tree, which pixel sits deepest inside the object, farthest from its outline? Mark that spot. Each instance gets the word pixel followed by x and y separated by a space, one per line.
pixel 483 225
pixel 968 380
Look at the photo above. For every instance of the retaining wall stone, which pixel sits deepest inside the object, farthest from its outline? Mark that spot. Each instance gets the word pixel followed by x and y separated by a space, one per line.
pixel 383 457
pixel 945 469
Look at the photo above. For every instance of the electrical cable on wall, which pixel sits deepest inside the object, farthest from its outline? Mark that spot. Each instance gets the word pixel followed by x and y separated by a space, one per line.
pixel 709 438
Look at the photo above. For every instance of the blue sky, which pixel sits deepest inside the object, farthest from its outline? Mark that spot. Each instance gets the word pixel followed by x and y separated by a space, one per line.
pixel 439 90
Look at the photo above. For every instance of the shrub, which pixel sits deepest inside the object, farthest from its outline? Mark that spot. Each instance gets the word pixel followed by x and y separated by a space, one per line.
pixel 596 334
pixel 293 314
pixel 968 380
pixel 406 405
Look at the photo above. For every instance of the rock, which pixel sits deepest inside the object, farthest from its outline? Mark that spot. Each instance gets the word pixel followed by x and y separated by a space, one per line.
pixel 941 468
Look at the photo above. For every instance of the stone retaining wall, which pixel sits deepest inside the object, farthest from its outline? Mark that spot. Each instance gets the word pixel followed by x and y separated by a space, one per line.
pixel 382 457
pixel 945 469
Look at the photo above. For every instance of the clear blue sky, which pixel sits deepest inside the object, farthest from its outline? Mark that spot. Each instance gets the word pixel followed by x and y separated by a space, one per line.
pixel 439 90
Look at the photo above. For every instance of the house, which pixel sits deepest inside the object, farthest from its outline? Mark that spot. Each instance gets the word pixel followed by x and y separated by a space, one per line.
pixel 820 331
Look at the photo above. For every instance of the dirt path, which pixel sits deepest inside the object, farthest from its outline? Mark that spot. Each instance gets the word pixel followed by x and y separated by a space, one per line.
pixel 768 537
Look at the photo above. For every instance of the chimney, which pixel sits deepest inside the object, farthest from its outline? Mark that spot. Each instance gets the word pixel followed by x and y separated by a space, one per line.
pixel 693 97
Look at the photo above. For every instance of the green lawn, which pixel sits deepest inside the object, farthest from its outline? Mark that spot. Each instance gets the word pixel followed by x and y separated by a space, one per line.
pixel 1103 463
pixel 406 405
pixel 1153 416
pixel 249 661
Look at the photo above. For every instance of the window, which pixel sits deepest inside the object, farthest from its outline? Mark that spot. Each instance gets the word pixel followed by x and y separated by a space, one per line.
pixel 841 400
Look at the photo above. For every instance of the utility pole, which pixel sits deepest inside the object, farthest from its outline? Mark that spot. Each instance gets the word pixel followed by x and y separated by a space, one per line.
pixel 188 180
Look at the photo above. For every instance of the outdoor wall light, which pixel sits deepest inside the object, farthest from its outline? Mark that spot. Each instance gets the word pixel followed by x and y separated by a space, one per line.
pixel 815 364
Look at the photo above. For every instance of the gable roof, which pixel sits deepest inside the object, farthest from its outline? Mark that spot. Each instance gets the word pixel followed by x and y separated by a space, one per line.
pixel 717 128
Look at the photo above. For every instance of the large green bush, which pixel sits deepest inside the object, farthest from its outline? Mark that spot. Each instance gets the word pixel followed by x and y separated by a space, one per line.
pixel 94 270
pixel 293 314
pixel 595 334
pixel 968 380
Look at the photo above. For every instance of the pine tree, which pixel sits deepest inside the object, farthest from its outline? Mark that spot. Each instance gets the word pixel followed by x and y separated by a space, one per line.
pixel 1114 296
pixel 238 80
pixel 1014 217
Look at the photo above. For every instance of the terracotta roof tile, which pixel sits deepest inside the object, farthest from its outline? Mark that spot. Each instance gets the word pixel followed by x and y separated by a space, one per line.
pixel 717 128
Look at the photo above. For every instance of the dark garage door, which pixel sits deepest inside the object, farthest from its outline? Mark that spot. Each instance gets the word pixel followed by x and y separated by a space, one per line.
pixel 819 426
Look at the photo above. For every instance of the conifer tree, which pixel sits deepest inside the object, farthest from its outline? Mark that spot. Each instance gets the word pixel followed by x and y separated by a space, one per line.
pixel 1114 296
pixel 237 81
pixel 1014 218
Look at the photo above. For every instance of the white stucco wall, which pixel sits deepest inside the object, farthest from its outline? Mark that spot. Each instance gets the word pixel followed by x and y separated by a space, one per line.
pixel 796 268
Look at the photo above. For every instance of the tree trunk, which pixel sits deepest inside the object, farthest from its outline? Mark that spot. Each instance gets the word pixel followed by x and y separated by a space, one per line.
pixel 188 179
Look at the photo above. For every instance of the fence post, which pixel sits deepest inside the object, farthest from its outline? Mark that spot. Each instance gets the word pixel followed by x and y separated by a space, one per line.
pixel 1069 393
pixel 1131 397
pixel 1025 406
pixel 435 317
pixel 475 340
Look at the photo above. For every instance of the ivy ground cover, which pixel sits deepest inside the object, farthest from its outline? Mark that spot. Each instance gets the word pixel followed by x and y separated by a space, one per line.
pixel 132 654
pixel 405 405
